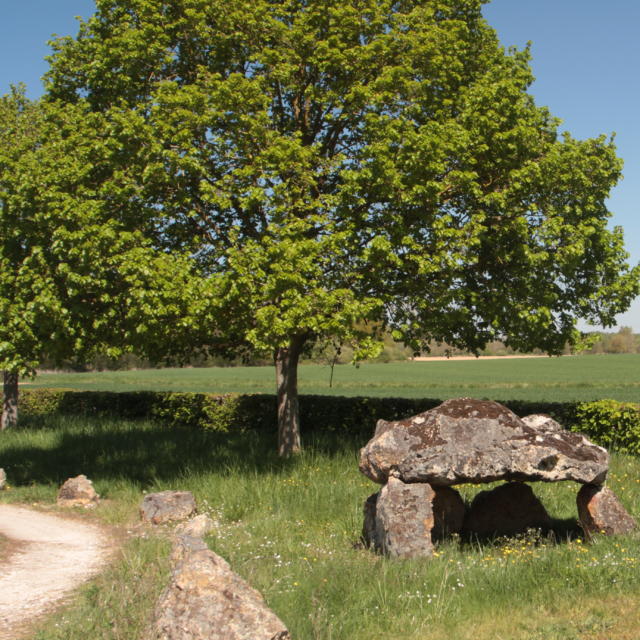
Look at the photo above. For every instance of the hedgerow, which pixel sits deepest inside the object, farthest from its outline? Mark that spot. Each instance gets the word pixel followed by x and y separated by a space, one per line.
pixel 609 423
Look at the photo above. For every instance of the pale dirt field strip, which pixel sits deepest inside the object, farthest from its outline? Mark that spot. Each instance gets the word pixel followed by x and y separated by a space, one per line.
pixel 455 358
pixel 55 555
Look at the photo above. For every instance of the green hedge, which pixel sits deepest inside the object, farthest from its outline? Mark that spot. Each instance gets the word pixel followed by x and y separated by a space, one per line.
pixel 609 423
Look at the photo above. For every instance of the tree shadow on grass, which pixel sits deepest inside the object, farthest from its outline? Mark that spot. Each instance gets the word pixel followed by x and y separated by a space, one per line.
pixel 141 452
pixel 144 452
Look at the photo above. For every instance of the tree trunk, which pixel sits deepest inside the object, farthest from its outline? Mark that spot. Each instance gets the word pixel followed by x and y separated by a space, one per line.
pixel 286 360
pixel 10 401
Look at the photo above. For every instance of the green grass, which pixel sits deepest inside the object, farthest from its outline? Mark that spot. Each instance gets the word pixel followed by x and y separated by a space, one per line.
pixel 289 527
pixel 545 379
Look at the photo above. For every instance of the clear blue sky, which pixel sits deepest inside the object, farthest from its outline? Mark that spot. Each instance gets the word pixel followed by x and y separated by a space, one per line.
pixel 586 56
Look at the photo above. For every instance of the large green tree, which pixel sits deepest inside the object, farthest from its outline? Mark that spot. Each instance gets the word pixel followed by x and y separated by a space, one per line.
pixel 336 164
pixel 74 278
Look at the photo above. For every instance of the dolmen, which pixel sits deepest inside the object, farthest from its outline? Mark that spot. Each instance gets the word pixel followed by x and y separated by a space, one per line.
pixel 418 460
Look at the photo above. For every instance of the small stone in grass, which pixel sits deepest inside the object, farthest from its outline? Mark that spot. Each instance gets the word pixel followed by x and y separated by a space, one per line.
pixel 77 491
pixel 167 506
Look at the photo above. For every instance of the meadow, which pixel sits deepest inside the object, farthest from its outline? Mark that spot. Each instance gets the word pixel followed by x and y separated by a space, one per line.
pixel 291 528
pixel 588 377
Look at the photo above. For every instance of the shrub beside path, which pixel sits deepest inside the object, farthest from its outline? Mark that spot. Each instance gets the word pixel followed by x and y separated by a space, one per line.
pixel 53 556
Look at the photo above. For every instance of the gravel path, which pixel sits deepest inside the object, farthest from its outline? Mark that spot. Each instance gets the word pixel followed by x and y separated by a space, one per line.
pixel 53 556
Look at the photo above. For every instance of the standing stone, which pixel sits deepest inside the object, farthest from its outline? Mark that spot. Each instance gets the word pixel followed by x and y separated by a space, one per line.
pixel 506 510
pixel 600 511
pixel 77 491
pixel 404 519
pixel 167 506
pixel 3 479
pixel 369 532
pixel 448 513
pixel 467 440
pixel 206 600
pixel 448 516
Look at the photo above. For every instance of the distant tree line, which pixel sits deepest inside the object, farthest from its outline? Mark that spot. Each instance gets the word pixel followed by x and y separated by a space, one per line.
pixel 596 342
pixel 624 341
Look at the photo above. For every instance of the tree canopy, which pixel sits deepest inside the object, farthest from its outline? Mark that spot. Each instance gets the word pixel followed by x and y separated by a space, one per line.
pixel 331 167
pixel 74 279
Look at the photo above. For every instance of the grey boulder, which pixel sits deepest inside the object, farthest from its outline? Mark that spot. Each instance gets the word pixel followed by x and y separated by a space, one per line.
pixel 196 527
pixel 167 506
pixel 206 600
pixel 404 520
pixel 600 511
pixel 77 491
pixel 466 440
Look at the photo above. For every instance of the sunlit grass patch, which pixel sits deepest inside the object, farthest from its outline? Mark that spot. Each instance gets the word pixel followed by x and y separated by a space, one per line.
pixel 290 527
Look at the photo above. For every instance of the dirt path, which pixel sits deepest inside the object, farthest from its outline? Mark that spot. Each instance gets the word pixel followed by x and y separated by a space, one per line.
pixel 51 556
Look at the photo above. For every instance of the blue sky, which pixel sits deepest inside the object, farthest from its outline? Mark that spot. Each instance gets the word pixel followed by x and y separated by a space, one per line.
pixel 586 56
pixel 586 60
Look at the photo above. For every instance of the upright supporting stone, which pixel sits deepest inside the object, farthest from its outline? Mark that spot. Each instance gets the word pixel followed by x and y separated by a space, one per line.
pixel 600 511
pixel 506 510
pixel 448 513
pixel 369 531
pixel 446 504
pixel 404 519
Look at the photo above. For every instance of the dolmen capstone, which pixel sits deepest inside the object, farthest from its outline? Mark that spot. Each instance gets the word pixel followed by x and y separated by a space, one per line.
pixel 463 440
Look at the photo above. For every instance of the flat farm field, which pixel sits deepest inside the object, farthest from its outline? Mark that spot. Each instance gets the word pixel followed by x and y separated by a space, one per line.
pixel 566 378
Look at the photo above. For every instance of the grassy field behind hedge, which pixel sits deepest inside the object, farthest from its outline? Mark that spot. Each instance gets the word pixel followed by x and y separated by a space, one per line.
pixel 289 527
pixel 568 378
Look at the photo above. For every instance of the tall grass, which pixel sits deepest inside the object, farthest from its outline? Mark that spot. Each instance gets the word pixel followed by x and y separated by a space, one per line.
pixel 290 527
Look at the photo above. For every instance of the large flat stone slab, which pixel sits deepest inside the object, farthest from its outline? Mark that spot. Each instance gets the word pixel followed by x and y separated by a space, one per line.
pixel 466 440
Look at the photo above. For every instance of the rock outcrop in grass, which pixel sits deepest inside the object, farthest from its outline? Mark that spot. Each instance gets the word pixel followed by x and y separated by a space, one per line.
pixel 206 600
